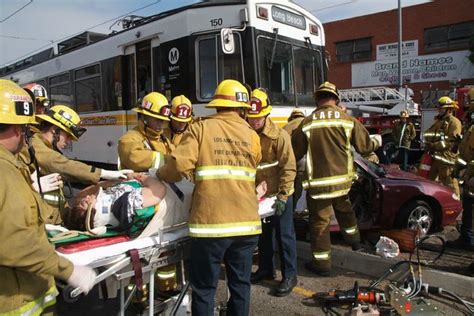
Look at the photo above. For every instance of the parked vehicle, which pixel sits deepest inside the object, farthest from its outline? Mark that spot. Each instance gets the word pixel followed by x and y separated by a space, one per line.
pixel 385 197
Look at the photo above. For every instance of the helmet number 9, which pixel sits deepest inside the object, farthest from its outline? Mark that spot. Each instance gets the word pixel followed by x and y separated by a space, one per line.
pixel 24 108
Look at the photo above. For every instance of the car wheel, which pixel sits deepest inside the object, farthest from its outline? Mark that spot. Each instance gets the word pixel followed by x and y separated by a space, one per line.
pixel 416 215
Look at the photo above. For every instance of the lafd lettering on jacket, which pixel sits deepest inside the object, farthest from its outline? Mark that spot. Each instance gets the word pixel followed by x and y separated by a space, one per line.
pixel 327 115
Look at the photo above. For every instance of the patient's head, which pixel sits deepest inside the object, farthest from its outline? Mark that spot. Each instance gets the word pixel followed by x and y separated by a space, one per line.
pixel 75 219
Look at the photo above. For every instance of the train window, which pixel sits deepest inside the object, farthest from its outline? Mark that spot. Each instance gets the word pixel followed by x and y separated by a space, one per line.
pixel 215 66
pixel 276 70
pixel 207 67
pixel 307 74
pixel 112 84
pixel 60 90
pixel 88 89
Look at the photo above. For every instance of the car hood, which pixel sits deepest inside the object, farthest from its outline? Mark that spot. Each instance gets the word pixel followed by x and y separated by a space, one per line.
pixel 394 172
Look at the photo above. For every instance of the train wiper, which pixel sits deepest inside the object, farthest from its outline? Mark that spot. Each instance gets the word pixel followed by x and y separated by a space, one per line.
pixel 270 65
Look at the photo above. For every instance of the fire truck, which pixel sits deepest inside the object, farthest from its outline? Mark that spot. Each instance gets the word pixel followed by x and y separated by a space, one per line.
pixel 378 108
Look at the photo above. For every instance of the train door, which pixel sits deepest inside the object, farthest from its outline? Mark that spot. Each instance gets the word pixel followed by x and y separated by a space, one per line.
pixel 143 69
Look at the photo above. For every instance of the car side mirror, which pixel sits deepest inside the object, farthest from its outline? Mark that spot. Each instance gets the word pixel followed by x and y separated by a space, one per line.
pixel 227 41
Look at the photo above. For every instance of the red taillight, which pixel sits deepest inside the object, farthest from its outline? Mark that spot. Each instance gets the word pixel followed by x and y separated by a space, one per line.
pixel 262 13
pixel 313 29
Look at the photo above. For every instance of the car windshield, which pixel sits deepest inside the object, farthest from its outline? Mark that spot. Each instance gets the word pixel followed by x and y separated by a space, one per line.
pixel 374 167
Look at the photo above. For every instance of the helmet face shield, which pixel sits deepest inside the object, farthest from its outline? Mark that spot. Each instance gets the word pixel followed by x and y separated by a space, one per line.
pixel 65 119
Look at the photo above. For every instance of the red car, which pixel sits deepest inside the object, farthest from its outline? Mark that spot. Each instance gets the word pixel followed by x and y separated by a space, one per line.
pixel 386 197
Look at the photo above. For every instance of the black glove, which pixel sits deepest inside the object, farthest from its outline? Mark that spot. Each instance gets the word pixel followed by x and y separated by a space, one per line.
pixel 279 207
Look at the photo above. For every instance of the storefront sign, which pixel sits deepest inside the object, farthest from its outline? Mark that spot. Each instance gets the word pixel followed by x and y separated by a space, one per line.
pixel 390 50
pixel 435 67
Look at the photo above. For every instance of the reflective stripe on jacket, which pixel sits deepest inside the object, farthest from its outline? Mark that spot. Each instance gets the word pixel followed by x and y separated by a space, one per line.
pixel 28 262
pixel 326 137
pixel 141 153
pixel 403 134
pixel 440 139
pixel 278 166
pixel 222 153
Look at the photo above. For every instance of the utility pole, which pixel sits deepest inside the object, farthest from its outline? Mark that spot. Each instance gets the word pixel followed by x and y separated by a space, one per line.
pixel 400 83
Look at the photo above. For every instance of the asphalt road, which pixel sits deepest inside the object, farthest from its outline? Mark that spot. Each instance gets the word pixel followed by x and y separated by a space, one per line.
pixel 299 302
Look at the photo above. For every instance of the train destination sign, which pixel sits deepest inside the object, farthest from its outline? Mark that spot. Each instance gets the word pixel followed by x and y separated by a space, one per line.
pixel 288 18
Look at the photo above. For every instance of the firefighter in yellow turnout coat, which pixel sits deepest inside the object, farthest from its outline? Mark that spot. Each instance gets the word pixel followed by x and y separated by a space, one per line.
pixel 465 168
pixel 326 137
pixel 278 170
pixel 28 262
pixel 222 152
pixel 294 120
pixel 58 127
pixel 146 146
pixel 403 134
pixel 440 141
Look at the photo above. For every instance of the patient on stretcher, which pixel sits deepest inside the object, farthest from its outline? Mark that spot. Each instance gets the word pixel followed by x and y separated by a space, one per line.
pixel 139 205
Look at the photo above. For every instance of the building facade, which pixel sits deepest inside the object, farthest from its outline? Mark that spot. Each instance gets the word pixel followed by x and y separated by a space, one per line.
pixel 436 39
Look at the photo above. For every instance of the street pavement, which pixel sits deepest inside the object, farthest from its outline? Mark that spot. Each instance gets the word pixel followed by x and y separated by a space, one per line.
pixel 299 302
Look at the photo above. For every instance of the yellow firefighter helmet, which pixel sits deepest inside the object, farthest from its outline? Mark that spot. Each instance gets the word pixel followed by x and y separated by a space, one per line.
pixel 181 109
pixel 230 94
pixel 404 113
pixel 65 118
pixel 327 87
pixel 16 105
pixel 296 113
pixel 156 105
pixel 259 104
pixel 447 103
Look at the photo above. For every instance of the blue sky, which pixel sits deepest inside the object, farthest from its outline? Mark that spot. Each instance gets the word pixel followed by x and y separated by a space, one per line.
pixel 41 22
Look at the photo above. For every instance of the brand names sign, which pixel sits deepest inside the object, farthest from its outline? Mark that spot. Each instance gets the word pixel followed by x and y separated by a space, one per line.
pixel 434 67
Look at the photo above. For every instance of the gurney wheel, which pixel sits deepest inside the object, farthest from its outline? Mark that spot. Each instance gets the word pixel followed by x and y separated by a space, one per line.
pixel 67 290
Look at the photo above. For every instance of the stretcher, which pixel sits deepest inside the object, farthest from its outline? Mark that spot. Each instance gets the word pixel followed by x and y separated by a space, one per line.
pixel 128 265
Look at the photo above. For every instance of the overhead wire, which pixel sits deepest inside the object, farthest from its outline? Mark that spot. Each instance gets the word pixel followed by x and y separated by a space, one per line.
pixel 27 38
pixel 82 31
pixel 332 6
pixel 12 14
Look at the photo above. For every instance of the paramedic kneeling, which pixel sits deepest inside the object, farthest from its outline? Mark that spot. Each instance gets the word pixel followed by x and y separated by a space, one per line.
pixel 222 151
pixel 28 262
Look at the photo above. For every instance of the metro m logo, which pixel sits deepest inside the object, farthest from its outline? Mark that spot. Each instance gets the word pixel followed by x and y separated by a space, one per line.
pixel 173 55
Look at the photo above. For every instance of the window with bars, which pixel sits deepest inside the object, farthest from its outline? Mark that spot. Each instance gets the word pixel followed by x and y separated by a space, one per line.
pixel 455 36
pixel 354 50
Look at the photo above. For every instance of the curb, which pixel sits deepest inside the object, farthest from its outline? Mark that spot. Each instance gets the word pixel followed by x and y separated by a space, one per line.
pixel 375 266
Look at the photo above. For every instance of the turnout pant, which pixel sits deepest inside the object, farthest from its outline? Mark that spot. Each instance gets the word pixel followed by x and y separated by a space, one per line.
pixel 403 154
pixel 444 173
pixel 282 229
pixel 320 212
pixel 206 257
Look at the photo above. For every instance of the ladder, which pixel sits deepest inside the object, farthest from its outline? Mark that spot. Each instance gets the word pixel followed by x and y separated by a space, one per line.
pixel 375 96
pixel 376 99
